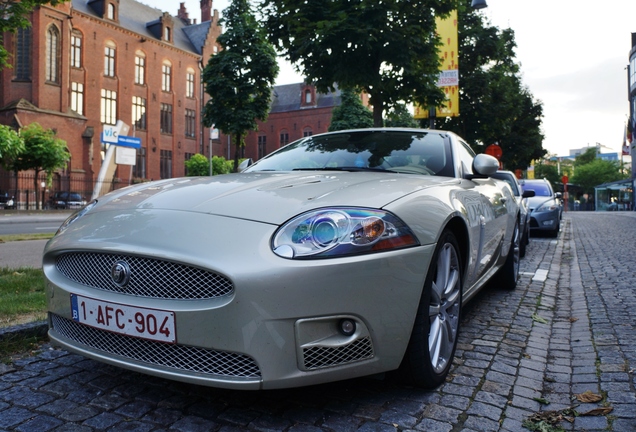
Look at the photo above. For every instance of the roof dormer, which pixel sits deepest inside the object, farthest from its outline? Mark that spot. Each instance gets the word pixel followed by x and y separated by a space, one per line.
pixel 307 96
pixel 162 28
pixel 105 9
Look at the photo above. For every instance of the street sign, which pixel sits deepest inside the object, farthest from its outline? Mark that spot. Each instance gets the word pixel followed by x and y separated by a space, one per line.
pixel 128 141
pixel 110 134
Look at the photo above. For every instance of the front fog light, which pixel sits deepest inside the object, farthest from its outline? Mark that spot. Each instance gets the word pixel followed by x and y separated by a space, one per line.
pixel 347 327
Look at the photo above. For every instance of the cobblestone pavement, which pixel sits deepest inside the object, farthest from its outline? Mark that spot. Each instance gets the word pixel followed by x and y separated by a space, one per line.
pixel 568 328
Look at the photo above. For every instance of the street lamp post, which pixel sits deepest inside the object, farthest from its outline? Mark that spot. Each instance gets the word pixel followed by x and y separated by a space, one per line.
pixel 43 184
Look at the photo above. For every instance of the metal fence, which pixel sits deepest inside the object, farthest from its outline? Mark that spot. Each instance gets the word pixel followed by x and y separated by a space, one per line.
pixel 30 193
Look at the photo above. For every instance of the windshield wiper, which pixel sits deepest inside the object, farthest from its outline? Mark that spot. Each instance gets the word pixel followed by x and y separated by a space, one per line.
pixel 344 168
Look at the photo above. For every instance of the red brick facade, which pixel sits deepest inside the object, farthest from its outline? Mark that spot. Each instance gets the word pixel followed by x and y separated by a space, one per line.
pixel 130 30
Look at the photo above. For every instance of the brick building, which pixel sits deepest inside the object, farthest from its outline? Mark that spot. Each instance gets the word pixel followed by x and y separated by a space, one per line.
pixel 89 63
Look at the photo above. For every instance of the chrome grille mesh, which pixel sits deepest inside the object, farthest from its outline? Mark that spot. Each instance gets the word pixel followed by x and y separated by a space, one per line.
pixel 317 357
pixel 181 357
pixel 149 277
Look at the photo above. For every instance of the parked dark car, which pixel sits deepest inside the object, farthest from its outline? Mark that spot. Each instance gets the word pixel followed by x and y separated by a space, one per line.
pixel 6 200
pixel 66 200
pixel 545 207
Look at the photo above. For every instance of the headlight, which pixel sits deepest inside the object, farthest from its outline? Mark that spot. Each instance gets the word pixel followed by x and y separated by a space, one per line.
pixel 548 206
pixel 328 233
pixel 75 216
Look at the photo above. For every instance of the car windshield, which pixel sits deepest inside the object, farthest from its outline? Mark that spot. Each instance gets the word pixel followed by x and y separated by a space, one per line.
pixel 373 150
pixel 540 189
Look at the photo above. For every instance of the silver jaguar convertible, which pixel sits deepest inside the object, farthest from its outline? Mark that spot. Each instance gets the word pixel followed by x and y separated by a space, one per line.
pixel 337 256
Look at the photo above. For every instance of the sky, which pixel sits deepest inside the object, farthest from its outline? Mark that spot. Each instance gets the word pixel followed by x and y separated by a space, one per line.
pixel 573 56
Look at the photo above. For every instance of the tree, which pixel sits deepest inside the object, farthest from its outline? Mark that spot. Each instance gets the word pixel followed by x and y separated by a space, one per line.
pixel 240 77
pixel 389 49
pixel 11 146
pixel 399 116
pixel 43 152
pixel 588 156
pixel 548 171
pixel 494 105
pixel 14 15
pixel 594 173
pixel 350 114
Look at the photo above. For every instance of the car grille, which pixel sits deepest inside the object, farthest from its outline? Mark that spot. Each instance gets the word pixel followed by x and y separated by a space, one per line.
pixel 148 277
pixel 181 357
pixel 317 357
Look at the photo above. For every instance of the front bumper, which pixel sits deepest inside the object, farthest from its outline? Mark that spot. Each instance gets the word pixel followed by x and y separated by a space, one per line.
pixel 544 221
pixel 277 327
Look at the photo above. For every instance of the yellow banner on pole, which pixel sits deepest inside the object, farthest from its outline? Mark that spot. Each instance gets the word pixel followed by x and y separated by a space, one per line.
pixel 449 69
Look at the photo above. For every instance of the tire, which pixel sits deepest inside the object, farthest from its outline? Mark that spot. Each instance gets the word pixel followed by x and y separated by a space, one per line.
pixel 509 273
pixel 431 349
pixel 555 233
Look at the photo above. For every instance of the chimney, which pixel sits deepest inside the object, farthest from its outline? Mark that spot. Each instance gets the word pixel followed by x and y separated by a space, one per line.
pixel 182 14
pixel 206 10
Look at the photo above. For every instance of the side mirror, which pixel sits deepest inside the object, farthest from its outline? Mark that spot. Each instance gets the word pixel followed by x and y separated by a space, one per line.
pixel 528 193
pixel 484 165
pixel 246 163
pixel 558 195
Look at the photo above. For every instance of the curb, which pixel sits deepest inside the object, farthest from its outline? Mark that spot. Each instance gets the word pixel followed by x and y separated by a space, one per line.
pixel 36 328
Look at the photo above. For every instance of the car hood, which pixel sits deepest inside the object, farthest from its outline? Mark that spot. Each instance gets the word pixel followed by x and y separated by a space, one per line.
pixel 537 201
pixel 268 197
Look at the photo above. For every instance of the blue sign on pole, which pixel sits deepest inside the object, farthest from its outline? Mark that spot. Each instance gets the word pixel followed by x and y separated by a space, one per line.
pixel 128 141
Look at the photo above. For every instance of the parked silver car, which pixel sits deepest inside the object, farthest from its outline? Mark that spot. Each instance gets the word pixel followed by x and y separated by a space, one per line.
pixel 520 195
pixel 545 207
pixel 337 256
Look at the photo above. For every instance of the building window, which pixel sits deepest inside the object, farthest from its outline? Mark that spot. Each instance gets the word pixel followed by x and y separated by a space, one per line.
pixel 190 83
pixel 166 73
pixel 284 137
pixel 140 68
pixel 262 146
pixel 166 118
pixel 139 170
pixel 166 34
pixel 139 113
pixel 52 55
pixel 307 96
pixel 77 97
pixel 165 164
pixel 307 132
pixel 76 50
pixel 190 123
pixel 109 60
pixel 23 54
pixel 187 156
pixel 111 11
pixel 109 107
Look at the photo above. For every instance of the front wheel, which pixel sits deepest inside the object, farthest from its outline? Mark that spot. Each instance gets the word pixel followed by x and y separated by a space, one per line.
pixel 509 273
pixel 431 349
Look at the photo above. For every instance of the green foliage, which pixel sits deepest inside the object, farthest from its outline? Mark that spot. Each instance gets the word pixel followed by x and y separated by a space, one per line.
pixel 389 49
pixel 240 77
pixel 14 15
pixel 494 105
pixel 350 114
pixel 222 166
pixel 197 165
pixel 589 155
pixel 399 116
pixel 595 173
pixel 547 171
pixel 11 146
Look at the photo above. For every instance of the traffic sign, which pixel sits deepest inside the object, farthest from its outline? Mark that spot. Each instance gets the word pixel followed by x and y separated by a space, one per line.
pixel 128 141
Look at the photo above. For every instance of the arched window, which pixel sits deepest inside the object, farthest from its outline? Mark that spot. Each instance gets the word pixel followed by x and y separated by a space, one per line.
pixel 307 132
pixel 23 54
pixel 307 96
pixel 166 76
pixel 166 34
pixel 53 55
pixel 284 137
pixel 111 11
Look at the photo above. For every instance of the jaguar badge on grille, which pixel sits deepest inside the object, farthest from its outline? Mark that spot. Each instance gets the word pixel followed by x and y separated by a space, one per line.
pixel 120 273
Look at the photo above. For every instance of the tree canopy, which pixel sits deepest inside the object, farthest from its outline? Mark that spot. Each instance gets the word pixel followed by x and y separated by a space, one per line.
pixel 14 15
pixel 351 113
pixel 240 77
pixel 389 49
pixel 494 105
pixel 11 146
pixel 592 171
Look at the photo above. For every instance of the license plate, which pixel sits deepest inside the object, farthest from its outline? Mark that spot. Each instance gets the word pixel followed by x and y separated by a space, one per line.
pixel 134 321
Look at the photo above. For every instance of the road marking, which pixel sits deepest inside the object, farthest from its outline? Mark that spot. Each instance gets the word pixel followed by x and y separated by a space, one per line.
pixel 540 275
pixel 47 228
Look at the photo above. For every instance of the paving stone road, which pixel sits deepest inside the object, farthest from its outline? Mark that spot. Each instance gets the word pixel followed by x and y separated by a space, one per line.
pixel 568 328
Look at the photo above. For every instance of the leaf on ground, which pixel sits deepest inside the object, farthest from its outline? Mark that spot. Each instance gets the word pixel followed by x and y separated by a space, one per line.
pixel 598 411
pixel 588 397
pixel 572 319
pixel 539 319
